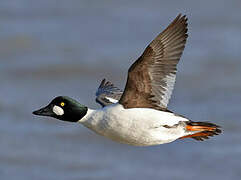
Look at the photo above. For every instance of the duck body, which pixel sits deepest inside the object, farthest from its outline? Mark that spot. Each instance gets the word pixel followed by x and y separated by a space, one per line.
pixel 135 126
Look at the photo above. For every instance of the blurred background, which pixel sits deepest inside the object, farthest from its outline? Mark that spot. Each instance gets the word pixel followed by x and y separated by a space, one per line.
pixel 50 48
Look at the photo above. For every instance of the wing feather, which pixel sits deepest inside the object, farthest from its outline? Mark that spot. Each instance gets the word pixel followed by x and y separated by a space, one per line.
pixel 107 93
pixel 151 77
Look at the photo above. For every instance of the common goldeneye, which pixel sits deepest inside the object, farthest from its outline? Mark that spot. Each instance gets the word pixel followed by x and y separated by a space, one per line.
pixel 139 115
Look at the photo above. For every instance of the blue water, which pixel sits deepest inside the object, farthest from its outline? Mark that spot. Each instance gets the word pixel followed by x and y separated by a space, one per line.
pixel 50 48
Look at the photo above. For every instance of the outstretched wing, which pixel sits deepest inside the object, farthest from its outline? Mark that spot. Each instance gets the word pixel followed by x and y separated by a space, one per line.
pixel 107 93
pixel 152 77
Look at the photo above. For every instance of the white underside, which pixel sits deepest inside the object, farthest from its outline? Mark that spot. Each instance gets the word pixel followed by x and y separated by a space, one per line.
pixel 135 126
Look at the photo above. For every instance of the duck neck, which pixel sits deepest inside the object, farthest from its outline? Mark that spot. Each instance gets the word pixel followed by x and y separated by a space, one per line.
pixel 86 118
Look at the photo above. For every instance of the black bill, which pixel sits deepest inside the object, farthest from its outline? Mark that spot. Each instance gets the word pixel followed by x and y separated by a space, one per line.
pixel 46 111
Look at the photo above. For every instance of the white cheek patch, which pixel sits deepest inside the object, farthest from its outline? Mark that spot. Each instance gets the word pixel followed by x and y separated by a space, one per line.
pixel 58 110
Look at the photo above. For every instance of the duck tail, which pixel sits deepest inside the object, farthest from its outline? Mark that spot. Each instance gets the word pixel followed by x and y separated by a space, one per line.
pixel 201 130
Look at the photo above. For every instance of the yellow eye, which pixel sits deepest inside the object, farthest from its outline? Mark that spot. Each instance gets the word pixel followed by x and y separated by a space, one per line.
pixel 62 104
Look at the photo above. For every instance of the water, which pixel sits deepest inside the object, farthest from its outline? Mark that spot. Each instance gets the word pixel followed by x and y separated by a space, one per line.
pixel 51 48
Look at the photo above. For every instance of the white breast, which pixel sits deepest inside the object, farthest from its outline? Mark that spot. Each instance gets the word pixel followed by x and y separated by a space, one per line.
pixel 135 126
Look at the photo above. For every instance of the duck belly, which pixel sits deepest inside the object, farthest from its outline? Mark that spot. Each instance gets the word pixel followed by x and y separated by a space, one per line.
pixel 137 126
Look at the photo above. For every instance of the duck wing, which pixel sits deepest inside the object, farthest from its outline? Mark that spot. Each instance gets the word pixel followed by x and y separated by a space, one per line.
pixel 107 93
pixel 151 77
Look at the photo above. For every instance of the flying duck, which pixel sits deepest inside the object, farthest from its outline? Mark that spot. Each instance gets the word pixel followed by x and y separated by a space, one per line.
pixel 138 115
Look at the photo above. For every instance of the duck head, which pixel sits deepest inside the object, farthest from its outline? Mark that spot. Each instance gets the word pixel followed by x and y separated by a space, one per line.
pixel 63 108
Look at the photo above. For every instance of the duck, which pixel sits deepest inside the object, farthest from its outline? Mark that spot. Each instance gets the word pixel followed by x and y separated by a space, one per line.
pixel 139 115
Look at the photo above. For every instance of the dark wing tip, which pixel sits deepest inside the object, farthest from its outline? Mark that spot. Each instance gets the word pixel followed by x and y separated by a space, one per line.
pixel 102 83
pixel 105 83
pixel 180 19
pixel 178 26
pixel 180 16
pixel 181 23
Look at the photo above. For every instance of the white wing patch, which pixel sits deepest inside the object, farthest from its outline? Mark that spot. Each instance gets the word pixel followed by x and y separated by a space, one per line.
pixel 170 82
pixel 58 110
pixel 111 99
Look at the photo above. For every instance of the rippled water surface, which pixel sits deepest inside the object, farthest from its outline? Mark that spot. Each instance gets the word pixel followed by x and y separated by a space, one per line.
pixel 50 48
